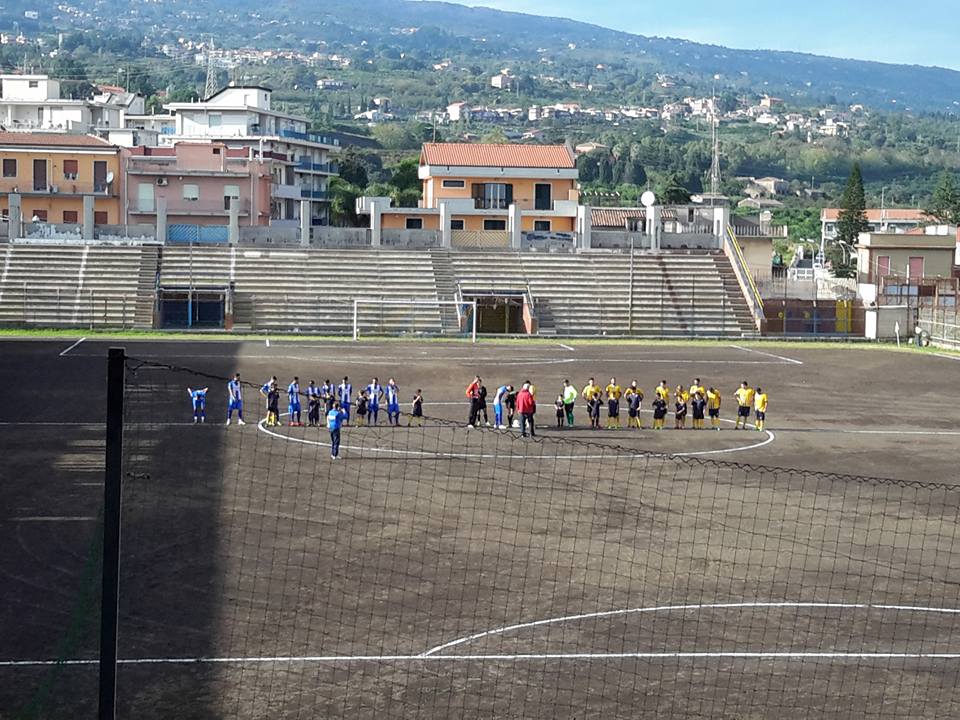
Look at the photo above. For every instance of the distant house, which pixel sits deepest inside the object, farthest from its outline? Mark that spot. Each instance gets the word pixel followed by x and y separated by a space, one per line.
pixel 773 185
pixel 503 81
pixel 880 220
pixel 905 255
pixel 589 147
pixel 329 84
pixel 770 102
pixel 760 203
pixel 487 187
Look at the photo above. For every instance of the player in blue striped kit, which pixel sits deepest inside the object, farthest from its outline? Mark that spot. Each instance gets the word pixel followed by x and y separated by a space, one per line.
pixel 375 391
pixel 345 398
pixel 293 403
pixel 393 403
pixel 235 400
pixel 198 399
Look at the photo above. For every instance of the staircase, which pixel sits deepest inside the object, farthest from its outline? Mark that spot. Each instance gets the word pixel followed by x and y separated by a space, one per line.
pixel 147 287
pixel 446 287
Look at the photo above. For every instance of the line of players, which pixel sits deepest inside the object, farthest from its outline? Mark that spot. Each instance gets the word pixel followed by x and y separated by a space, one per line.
pixel 320 398
pixel 700 401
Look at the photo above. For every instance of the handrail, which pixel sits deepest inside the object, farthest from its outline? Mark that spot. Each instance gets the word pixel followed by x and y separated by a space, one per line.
pixel 751 294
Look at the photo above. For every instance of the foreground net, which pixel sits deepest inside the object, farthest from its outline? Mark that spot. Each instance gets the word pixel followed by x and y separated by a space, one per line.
pixel 434 572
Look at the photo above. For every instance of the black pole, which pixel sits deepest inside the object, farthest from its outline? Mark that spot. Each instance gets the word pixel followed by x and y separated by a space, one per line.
pixel 116 365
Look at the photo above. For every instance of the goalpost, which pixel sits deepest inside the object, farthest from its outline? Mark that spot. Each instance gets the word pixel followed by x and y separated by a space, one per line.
pixel 461 313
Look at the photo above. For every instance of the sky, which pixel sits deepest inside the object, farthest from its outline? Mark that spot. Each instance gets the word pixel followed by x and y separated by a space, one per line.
pixel 922 32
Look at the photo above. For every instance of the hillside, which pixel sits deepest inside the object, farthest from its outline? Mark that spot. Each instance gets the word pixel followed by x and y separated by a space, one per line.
pixel 431 31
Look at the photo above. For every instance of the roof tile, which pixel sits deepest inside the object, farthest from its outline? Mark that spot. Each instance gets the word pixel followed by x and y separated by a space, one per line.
pixel 501 156
pixel 65 140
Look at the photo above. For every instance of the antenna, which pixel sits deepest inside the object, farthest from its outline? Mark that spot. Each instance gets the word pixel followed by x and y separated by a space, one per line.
pixel 715 163
pixel 210 87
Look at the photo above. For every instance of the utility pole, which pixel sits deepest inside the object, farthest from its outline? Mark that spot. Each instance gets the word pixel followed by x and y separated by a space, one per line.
pixel 715 162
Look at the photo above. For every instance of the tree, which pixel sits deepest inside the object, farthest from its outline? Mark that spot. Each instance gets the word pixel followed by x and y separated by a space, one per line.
pixel 588 166
pixel 853 209
pixel 605 172
pixel 352 169
pixel 343 204
pixel 945 203
pixel 495 136
pixel 406 174
pixel 671 191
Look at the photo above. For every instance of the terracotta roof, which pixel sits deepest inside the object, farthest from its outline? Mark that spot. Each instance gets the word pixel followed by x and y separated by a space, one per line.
pixel 501 156
pixel 618 217
pixel 63 140
pixel 876 215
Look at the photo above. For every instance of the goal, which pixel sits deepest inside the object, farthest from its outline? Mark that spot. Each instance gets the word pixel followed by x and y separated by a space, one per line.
pixel 379 317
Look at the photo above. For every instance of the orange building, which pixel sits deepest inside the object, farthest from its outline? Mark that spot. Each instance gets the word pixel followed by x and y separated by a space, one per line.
pixel 52 172
pixel 488 188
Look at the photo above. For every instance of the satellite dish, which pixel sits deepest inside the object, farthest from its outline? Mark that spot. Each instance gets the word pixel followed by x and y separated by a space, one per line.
pixel 110 176
pixel 648 199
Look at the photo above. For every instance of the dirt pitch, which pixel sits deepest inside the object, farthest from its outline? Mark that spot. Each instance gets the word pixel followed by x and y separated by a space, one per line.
pixel 242 544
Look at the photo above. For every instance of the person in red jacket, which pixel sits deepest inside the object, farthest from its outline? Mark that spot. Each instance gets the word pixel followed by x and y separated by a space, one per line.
pixel 473 396
pixel 527 407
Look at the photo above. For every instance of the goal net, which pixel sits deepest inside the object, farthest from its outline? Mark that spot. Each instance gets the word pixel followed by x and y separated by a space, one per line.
pixel 426 317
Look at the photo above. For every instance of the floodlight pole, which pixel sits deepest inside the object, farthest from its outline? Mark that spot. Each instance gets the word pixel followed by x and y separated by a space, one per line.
pixel 356 328
pixel 110 592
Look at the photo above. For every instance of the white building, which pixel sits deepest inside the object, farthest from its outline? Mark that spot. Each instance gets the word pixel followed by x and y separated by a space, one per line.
pixel 33 102
pixel 241 116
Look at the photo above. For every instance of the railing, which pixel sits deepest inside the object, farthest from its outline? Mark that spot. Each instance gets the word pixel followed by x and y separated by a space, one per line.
pixel 751 294
pixel 314 194
pixel 60 187
pixel 47 307
pixel 309 137
pixel 328 167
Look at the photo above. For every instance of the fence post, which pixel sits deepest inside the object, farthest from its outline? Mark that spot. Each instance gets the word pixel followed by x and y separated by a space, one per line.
pixel 109 602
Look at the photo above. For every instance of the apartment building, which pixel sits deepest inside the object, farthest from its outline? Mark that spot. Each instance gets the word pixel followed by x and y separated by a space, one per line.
pixel 197 181
pixel 242 117
pixel 52 172
pixel 33 103
pixel 880 220
pixel 490 187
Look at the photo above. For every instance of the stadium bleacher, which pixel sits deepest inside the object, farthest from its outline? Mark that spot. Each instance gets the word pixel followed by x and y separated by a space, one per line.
pixel 663 294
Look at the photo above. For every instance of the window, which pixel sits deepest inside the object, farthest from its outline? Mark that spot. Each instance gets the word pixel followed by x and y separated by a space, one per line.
pixel 191 192
pixel 39 216
pixel 492 196
pixel 230 192
pixel 216 151
pixel 541 226
pixel 543 196
pixel 414 223
pixel 215 120
pixel 100 217
pixel 454 183
pixel 69 216
pixel 456 224
pixel 10 167
pixel 145 197
pixel 33 84
pixel 71 168
pixel 494 224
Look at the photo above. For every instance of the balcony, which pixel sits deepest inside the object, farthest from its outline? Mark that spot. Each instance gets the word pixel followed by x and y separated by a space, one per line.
pixel 309 137
pixel 307 165
pixel 306 194
pixel 65 187
pixel 193 208
pixel 491 204
pixel 287 192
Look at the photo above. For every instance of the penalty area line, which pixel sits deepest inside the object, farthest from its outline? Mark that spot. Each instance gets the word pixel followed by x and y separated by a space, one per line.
pixel 771 355
pixel 72 347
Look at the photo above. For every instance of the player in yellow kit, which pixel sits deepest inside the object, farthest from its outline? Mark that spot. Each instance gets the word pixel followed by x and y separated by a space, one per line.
pixel 760 400
pixel 663 392
pixel 713 407
pixel 697 387
pixel 744 395
pixel 614 393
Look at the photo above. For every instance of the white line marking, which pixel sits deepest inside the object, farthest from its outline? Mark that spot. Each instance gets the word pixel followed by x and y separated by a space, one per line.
pixel 760 352
pixel 495 456
pixel 39 518
pixel 72 346
pixel 340 659
pixel 268 342
pixel 947 357
pixel 567 347
pixel 672 608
